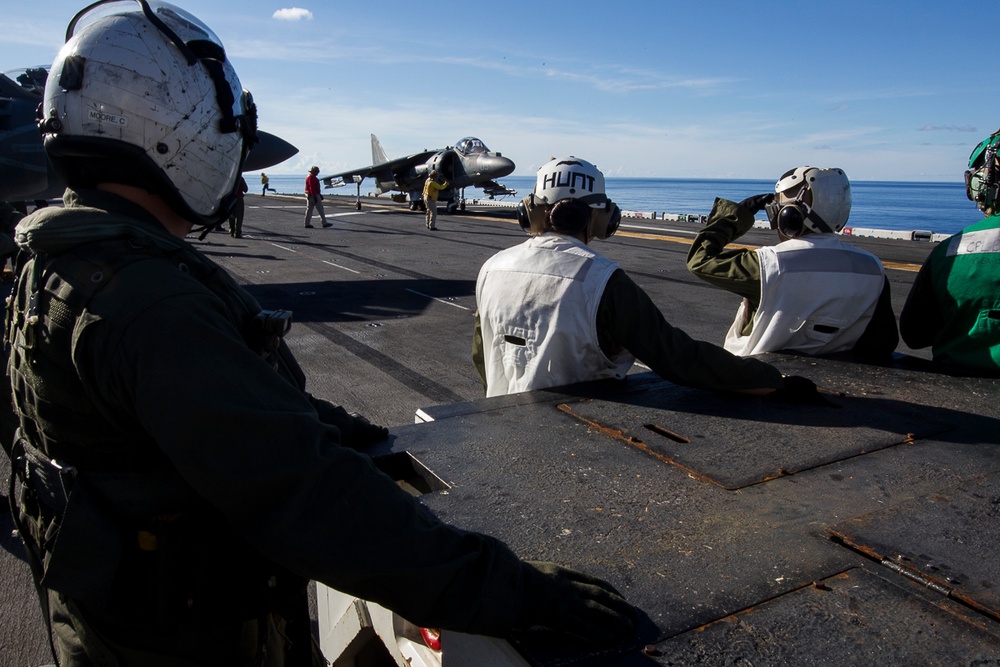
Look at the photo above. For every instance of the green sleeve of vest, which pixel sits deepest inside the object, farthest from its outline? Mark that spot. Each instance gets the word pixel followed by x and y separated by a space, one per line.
pixel 628 318
pixel 735 270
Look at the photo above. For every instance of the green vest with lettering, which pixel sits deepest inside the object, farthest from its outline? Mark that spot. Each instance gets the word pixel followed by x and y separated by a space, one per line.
pixel 965 272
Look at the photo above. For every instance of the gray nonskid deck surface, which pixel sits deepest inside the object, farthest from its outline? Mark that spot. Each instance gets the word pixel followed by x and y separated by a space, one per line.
pixel 868 539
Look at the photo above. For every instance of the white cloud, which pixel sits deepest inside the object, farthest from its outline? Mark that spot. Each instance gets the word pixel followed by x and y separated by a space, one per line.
pixel 292 14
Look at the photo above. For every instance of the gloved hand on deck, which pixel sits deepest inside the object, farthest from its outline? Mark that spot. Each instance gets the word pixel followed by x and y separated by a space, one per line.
pixel 756 203
pixel 798 390
pixel 364 432
pixel 575 603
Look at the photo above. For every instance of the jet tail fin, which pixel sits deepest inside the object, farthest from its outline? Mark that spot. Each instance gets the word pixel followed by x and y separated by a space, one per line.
pixel 378 155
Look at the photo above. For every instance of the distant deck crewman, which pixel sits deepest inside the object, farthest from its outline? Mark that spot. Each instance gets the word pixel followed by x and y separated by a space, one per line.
pixel 432 186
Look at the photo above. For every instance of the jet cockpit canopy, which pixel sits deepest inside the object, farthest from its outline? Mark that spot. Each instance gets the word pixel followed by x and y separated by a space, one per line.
pixel 471 146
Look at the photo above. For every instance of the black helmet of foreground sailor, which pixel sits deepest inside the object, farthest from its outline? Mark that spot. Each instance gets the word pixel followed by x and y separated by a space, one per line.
pixel 142 94
pixel 810 200
pixel 569 198
pixel 982 178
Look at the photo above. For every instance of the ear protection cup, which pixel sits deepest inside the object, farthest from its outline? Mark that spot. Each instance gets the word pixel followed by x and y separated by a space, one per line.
pixel 568 216
pixel 531 216
pixel 604 221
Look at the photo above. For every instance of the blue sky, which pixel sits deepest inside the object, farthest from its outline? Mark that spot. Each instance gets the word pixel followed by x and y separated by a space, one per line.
pixel 886 90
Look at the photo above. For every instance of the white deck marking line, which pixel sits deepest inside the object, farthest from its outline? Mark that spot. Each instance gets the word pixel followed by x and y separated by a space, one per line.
pixel 285 248
pixel 434 298
pixel 326 261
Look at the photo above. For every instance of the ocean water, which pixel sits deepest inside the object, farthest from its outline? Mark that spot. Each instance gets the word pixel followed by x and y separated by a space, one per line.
pixel 941 208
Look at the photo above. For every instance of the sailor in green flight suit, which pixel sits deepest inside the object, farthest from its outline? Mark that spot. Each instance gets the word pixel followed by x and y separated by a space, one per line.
pixel 178 484
pixel 954 304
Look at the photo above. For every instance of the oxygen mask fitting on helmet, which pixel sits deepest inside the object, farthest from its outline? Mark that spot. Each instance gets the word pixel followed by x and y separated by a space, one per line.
pixel 788 216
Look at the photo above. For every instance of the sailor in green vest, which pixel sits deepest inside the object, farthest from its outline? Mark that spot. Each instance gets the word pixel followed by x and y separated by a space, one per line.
pixel 178 484
pixel 954 304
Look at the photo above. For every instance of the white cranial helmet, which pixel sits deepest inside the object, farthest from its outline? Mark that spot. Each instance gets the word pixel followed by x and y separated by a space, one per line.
pixel 142 94
pixel 826 192
pixel 570 178
pixel 585 208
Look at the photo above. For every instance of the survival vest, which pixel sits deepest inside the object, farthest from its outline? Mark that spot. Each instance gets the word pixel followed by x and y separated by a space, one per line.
pixel 538 305
pixel 817 296
pixel 75 464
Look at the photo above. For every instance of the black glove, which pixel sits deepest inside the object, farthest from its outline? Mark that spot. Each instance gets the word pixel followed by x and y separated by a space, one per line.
pixel 756 203
pixel 799 390
pixel 575 603
pixel 366 433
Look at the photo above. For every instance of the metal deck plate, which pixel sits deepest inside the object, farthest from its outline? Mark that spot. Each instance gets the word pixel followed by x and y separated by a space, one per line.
pixel 564 487
pixel 957 558
pixel 738 441
pixel 556 489
pixel 856 618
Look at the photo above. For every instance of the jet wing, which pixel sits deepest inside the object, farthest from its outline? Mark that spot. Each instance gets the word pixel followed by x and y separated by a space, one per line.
pixel 383 171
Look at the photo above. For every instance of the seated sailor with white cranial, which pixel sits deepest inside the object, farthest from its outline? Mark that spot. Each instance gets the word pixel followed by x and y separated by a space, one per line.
pixel 813 292
pixel 552 311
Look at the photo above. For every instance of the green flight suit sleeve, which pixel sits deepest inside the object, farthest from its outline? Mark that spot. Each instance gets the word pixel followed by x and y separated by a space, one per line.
pixel 736 270
pixel 627 318
pixel 252 444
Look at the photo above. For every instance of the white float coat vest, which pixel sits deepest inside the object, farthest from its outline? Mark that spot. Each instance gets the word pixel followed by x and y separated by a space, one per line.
pixel 538 306
pixel 817 296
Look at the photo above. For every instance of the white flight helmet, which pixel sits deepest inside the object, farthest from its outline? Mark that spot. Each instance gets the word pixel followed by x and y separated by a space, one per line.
pixel 810 199
pixel 142 94
pixel 569 178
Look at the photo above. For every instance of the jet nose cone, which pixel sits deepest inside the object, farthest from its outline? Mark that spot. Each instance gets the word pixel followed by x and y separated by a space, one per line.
pixel 497 166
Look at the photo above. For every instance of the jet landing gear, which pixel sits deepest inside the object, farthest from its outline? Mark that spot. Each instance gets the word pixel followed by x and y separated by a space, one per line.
pixel 417 206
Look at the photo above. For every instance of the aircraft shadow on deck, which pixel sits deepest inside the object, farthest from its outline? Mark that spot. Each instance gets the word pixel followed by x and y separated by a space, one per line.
pixel 362 300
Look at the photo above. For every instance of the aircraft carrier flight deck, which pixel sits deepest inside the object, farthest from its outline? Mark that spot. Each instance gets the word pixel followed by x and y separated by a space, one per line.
pixel 748 532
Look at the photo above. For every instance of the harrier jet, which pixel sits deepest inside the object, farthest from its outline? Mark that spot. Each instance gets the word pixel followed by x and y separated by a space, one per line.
pixel 469 162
